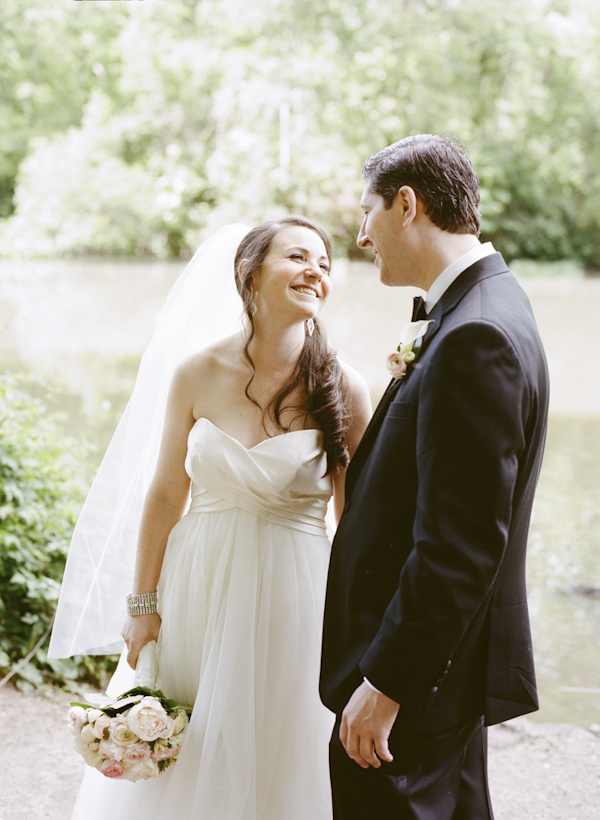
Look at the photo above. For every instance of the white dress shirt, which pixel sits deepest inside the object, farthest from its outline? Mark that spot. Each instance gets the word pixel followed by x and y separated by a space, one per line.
pixel 453 271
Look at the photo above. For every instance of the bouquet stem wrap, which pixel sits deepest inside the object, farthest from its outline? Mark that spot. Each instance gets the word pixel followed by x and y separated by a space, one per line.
pixel 146 670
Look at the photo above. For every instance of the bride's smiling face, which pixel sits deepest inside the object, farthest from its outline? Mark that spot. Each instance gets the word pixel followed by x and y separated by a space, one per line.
pixel 294 278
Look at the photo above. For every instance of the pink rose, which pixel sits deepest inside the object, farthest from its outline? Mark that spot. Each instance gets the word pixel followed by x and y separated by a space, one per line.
pixel 396 365
pixel 136 753
pixel 111 768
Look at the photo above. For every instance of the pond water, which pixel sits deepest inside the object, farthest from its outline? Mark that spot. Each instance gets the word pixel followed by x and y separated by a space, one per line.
pixel 83 325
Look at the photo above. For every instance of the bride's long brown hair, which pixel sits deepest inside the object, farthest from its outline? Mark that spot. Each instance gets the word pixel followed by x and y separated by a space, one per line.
pixel 318 373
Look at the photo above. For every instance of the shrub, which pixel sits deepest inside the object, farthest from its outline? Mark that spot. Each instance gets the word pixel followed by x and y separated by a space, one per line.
pixel 41 490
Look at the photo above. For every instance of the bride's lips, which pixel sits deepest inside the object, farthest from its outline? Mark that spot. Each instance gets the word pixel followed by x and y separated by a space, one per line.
pixel 304 289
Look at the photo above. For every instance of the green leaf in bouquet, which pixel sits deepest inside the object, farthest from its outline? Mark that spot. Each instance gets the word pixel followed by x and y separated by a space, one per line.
pixel 168 704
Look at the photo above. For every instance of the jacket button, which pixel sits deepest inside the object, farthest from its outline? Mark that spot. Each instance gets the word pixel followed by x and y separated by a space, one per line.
pixel 434 690
pixel 449 664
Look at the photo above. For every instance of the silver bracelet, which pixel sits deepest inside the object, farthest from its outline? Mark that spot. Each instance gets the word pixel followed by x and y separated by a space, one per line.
pixel 144 604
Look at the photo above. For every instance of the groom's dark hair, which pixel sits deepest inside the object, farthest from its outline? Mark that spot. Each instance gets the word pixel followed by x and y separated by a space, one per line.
pixel 439 171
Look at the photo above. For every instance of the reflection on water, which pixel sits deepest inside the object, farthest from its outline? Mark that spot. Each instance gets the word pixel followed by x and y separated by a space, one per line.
pixel 564 561
pixel 84 326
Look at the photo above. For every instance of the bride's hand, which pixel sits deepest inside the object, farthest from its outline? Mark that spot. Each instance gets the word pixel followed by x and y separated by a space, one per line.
pixel 138 630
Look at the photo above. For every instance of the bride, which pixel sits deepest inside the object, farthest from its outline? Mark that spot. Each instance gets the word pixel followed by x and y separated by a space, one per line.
pixel 260 426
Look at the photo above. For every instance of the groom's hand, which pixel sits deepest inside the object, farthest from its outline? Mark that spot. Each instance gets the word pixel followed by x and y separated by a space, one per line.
pixel 367 722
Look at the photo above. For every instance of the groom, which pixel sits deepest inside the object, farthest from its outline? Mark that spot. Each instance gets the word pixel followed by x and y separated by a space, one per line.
pixel 426 636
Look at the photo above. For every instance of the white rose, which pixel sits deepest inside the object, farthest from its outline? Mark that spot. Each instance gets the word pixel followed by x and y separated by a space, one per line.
pixel 110 750
pixel 141 771
pixel 149 720
pixel 93 714
pixel 87 735
pixel 101 726
pixel 77 717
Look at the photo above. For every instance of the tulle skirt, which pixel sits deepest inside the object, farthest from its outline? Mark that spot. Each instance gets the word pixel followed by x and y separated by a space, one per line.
pixel 241 601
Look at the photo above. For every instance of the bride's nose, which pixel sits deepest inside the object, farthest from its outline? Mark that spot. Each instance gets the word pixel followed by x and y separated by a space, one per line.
pixel 315 272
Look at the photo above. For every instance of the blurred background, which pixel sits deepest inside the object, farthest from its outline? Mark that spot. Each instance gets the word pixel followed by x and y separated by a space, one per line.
pixel 132 131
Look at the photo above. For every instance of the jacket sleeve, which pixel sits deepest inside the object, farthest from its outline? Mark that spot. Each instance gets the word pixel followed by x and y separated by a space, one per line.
pixel 472 405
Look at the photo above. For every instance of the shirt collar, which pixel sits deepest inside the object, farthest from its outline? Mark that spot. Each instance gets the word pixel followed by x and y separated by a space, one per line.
pixel 453 271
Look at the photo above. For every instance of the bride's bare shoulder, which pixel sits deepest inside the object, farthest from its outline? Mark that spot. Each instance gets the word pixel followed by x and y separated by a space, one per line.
pixel 211 362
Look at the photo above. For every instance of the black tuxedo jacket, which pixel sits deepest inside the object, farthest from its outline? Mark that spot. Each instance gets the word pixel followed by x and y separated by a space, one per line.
pixel 426 591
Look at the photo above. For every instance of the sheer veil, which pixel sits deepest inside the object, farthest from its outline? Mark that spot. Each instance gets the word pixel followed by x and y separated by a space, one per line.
pixel 202 307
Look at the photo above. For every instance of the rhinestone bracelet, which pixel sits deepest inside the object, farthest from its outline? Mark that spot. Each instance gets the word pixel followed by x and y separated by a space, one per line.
pixel 144 604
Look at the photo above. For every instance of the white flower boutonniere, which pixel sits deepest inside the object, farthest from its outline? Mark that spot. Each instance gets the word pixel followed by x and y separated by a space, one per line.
pixel 399 361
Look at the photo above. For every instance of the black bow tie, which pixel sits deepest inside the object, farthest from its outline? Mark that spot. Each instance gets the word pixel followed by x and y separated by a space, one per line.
pixel 419 311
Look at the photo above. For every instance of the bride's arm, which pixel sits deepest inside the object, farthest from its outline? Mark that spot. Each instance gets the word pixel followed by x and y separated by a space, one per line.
pixel 165 504
pixel 360 415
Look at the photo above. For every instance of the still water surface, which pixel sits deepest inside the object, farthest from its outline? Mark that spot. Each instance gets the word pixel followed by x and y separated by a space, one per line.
pixel 84 324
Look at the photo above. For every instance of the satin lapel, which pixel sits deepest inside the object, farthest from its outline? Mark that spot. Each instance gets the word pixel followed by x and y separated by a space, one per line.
pixel 488 266
pixel 364 448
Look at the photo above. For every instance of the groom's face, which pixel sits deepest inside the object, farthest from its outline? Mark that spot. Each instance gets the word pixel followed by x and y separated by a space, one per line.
pixel 381 232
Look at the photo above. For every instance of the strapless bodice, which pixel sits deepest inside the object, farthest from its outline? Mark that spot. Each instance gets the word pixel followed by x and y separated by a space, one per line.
pixel 281 479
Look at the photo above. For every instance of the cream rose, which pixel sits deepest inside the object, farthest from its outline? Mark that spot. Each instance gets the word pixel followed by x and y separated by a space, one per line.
pixel 165 749
pixel 149 720
pixel 91 757
pixel 180 721
pixel 122 734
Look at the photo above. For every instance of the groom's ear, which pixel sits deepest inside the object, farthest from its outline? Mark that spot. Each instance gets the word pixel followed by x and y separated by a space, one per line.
pixel 405 205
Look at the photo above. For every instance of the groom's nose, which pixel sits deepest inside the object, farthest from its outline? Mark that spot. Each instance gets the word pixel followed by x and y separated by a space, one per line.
pixel 362 240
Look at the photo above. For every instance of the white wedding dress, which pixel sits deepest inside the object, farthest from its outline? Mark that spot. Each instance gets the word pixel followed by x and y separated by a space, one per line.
pixel 241 598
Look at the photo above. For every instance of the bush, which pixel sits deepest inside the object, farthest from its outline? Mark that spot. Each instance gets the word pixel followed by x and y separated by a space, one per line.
pixel 41 490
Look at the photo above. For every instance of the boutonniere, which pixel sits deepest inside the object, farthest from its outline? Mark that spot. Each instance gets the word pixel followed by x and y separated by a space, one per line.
pixel 406 355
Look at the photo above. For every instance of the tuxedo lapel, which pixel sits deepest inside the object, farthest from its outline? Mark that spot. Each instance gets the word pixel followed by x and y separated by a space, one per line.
pixel 488 266
pixel 364 448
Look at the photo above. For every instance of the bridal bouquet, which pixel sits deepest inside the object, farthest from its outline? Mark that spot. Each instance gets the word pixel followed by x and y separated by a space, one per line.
pixel 133 737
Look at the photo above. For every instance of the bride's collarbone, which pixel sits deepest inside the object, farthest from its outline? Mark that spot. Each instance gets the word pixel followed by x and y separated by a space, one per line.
pixel 249 425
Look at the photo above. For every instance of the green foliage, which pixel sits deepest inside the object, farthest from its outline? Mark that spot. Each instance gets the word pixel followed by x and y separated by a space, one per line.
pixel 191 114
pixel 40 493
